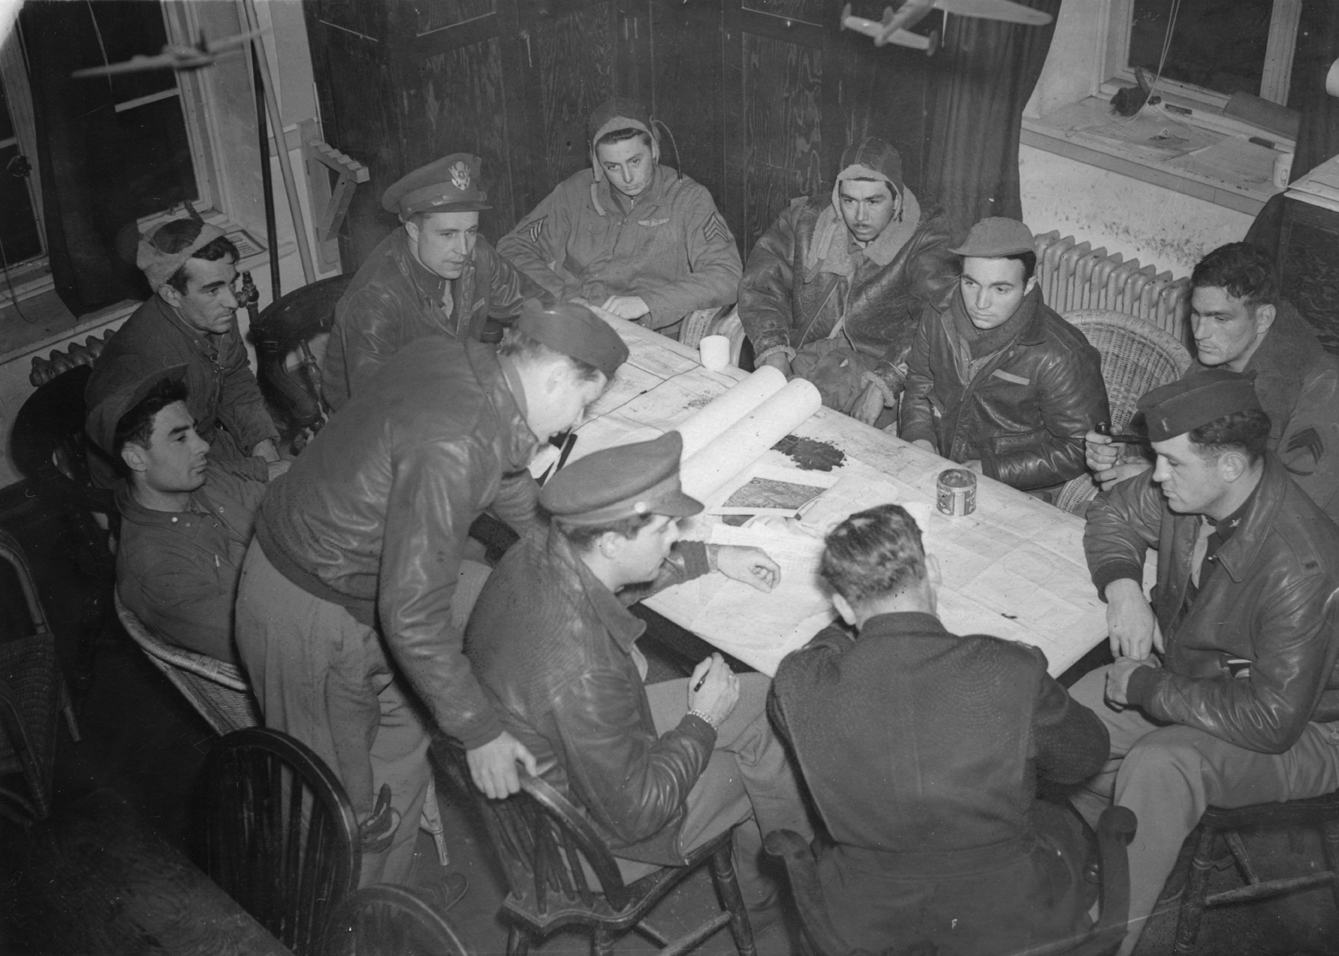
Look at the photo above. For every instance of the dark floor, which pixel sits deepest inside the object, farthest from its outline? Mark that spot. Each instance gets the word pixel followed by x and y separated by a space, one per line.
pixel 143 741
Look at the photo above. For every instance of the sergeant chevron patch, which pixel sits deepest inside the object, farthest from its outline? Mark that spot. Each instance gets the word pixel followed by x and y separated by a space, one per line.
pixel 535 229
pixel 715 229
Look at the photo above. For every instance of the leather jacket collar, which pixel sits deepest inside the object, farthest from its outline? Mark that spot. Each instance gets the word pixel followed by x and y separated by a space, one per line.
pixel 622 625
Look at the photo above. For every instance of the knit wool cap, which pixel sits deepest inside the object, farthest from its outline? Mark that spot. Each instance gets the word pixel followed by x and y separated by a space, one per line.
pixel 157 265
pixel 125 384
pixel 618 113
pixel 450 184
pixel 575 331
pixel 1195 399
pixel 622 482
pixel 995 238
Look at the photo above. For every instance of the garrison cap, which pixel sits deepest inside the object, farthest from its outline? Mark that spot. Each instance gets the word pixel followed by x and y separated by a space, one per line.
pixel 120 387
pixel 872 158
pixel 575 331
pixel 451 184
pixel 623 482
pixel 996 237
pixel 1195 399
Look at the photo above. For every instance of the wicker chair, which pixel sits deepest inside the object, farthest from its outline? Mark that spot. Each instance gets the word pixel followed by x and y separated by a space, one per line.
pixel 216 689
pixel 1136 356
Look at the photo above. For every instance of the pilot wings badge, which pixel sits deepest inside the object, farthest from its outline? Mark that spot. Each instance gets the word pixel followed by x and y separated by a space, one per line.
pixel 460 175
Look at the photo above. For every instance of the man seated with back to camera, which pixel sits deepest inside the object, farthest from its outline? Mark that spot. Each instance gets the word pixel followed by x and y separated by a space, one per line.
pixel 661 768
pixel 922 750
pixel 186 520
pixel 1241 322
pixel 997 380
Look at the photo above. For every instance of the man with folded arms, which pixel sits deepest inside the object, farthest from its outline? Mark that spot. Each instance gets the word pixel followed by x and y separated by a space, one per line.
pixel 1224 691
pixel 663 768
pixel 351 580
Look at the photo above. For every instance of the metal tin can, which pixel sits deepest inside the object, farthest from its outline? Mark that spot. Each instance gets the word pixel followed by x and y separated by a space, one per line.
pixel 956 489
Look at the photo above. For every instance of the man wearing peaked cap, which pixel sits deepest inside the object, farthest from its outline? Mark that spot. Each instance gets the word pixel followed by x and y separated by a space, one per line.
pixel 833 290
pixel 659 768
pixel 347 615
pixel 1245 705
pixel 432 276
pixel 996 379
pixel 629 234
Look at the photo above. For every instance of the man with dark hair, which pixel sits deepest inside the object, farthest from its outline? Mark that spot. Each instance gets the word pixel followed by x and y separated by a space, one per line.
pixel 833 290
pixel 191 266
pixel 352 577
pixel 998 381
pixel 434 276
pixel 185 520
pixel 1241 322
pixel 630 235
pixel 662 768
pixel 1240 703
pixel 938 840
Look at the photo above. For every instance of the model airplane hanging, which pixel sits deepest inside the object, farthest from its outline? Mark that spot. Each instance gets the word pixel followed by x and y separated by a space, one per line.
pixel 895 27
pixel 173 57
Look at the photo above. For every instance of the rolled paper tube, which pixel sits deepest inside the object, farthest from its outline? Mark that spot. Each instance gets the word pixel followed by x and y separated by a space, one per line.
pixel 744 442
pixel 715 351
pixel 1332 79
pixel 728 408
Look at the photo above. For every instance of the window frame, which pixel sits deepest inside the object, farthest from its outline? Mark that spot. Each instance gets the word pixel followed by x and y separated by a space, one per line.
pixel 1274 81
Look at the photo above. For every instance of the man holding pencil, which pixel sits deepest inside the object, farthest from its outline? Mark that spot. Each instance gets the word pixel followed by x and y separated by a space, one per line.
pixel 661 768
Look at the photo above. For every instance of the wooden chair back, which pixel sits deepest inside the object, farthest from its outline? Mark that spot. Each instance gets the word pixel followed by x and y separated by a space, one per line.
pixel 387 920
pixel 280 834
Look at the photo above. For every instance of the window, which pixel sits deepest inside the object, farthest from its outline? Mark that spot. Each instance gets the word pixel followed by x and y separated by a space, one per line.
pixel 1217 47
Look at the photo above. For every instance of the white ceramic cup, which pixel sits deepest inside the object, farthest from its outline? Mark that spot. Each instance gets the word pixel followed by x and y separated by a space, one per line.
pixel 715 351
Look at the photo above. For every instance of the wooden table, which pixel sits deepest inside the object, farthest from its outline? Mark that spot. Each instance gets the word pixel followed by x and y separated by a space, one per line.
pixel 1016 563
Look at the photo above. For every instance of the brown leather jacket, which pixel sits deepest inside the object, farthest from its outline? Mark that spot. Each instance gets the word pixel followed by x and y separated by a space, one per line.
pixel 1022 412
pixel 393 300
pixel 373 513
pixel 1269 600
pixel 785 303
pixel 555 650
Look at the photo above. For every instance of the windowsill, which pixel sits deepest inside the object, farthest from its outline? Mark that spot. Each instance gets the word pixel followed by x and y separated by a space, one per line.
pixel 1212 164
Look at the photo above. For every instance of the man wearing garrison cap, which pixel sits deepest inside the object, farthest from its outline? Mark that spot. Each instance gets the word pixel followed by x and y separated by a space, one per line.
pixel 432 276
pixel 661 768
pixel 630 235
pixel 190 320
pixel 345 612
pixel 998 381
pixel 833 290
pixel 1224 692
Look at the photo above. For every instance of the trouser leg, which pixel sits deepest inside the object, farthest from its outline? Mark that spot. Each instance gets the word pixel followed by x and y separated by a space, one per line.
pixel 399 758
pixel 1125 726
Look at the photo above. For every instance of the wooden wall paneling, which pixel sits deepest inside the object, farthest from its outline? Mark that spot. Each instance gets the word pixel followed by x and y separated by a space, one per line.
pixel 687 86
pixel 816 12
pixel 574 52
pixel 355 88
pixel 776 128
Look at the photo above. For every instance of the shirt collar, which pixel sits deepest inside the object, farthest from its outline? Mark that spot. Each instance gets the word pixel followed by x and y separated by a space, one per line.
pixel 131 510
pixel 430 284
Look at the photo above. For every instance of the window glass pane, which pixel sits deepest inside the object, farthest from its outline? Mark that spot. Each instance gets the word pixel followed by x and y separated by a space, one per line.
pixel 1216 44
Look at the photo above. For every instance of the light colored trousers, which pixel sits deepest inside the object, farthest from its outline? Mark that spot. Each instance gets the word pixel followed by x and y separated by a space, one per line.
pixel 1168 775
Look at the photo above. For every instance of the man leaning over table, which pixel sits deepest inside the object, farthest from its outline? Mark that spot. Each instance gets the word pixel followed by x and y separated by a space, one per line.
pixel 938 838
pixel 833 290
pixel 630 235
pixel 1242 323
pixel 660 768
pixel 1224 691
pixel 998 381
pixel 345 616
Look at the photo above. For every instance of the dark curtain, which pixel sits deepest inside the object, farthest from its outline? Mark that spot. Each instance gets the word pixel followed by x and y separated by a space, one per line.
pixel 1318 138
pixel 82 214
pixel 979 83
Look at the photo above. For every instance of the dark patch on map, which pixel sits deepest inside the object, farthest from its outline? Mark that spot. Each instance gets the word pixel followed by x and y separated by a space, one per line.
pixel 702 402
pixel 1012 617
pixel 809 454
